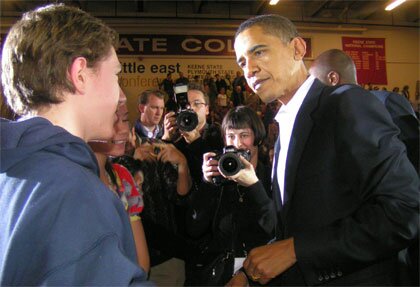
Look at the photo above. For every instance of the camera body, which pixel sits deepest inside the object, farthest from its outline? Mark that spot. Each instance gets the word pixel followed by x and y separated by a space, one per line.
pixel 186 119
pixel 229 162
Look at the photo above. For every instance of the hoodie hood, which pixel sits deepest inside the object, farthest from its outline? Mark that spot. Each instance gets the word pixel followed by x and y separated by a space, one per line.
pixel 21 139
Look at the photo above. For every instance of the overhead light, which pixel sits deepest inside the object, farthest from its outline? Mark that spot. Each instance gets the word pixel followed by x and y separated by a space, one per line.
pixel 394 4
pixel 274 2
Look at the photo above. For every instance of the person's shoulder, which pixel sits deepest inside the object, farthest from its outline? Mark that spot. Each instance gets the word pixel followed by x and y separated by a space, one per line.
pixel 213 132
pixel 347 100
pixel 59 173
pixel 345 89
pixel 83 175
pixel 124 174
pixel 396 104
pixel 348 93
pixel 139 129
pixel 55 183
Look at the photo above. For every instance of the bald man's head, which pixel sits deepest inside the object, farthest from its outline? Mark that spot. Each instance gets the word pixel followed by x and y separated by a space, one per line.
pixel 334 67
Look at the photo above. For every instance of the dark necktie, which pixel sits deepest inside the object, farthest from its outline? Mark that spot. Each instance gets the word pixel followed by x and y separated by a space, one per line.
pixel 276 187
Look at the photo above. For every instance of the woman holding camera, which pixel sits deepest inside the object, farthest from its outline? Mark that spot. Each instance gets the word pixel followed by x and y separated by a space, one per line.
pixel 237 214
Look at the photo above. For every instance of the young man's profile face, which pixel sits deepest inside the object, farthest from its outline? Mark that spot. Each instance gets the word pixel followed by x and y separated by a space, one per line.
pixel 102 95
pixel 268 64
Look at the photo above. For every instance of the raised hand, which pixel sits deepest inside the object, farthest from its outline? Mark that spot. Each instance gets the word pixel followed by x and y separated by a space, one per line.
pixel 144 152
pixel 246 176
pixel 170 127
pixel 209 166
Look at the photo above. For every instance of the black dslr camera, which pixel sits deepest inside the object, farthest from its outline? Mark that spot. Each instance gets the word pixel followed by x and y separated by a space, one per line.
pixel 186 119
pixel 230 163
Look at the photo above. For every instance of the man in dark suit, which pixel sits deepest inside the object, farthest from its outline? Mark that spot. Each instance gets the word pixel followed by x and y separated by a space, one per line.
pixel 334 67
pixel 346 194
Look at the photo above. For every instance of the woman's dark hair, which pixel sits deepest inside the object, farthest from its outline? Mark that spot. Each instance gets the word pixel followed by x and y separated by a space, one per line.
pixel 110 171
pixel 242 117
pixel 131 164
pixel 159 189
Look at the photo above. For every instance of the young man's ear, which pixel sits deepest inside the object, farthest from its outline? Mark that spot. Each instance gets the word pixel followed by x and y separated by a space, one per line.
pixel 300 48
pixel 334 78
pixel 78 73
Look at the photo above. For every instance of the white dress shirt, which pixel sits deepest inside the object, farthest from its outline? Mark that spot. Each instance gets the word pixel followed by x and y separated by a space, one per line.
pixel 286 117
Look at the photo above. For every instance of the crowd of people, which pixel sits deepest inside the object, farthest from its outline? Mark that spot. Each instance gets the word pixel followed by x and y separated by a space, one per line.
pixel 225 92
pixel 281 176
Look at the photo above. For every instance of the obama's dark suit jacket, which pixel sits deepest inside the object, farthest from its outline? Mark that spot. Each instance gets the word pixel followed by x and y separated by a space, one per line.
pixel 352 196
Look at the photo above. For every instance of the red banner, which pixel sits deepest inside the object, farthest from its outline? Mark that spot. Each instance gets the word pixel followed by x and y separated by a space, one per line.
pixel 369 56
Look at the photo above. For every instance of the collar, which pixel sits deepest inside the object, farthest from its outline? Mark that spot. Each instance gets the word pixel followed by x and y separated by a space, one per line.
pixel 296 101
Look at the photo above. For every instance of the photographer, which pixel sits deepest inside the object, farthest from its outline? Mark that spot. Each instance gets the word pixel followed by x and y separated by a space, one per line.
pixel 202 138
pixel 238 212
pixel 165 181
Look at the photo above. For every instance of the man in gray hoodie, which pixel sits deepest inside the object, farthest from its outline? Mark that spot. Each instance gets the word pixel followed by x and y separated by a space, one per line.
pixel 60 225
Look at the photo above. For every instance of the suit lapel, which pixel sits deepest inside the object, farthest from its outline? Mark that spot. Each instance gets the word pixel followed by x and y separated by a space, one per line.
pixel 301 130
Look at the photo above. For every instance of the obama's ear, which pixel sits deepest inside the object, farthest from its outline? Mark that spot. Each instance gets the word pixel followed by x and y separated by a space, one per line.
pixel 300 48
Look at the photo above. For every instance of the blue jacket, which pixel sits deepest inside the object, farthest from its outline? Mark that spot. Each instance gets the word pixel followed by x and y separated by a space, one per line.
pixel 59 224
pixel 405 119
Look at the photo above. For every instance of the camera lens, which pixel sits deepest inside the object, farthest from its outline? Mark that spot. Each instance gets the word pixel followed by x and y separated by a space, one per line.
pixel 187 120
pixel 229 164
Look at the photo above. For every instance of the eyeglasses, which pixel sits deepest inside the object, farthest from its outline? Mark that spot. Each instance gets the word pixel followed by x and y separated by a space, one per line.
pixel 196 104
